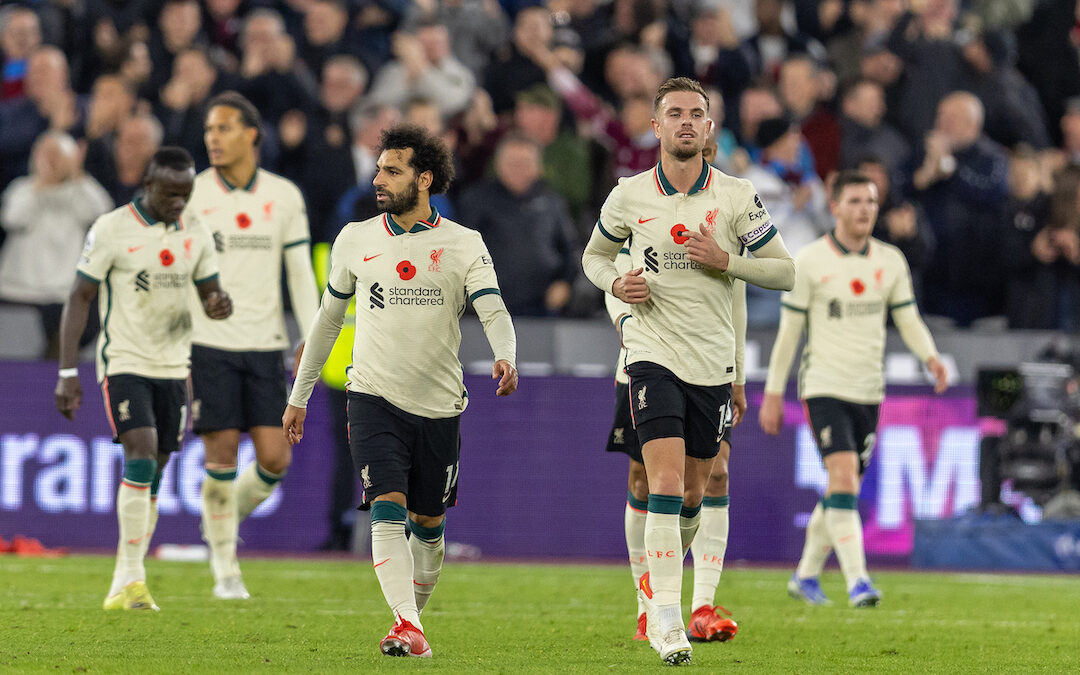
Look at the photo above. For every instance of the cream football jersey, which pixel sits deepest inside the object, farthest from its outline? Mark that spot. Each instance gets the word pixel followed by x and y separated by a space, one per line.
pixel 686 326
pixel 411 289
pixel 144 271
pixel 846 296
pixel 251 228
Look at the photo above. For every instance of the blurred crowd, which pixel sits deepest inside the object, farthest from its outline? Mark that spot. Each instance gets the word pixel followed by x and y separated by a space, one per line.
pixel 966 113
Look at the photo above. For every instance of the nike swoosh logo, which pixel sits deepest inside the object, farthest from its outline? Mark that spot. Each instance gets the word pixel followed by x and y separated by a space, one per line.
pixel 379 563
pixel 372 257
pixel 207 212
pixel 132 249
pixel 645 220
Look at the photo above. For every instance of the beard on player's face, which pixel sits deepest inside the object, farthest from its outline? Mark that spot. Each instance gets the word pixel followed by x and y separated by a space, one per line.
pixel 683 153
pixel 402 202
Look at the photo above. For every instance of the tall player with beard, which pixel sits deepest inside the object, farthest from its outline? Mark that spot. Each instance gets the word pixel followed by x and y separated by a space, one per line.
pixel 258 220
pixel 684 224
pixel 412 271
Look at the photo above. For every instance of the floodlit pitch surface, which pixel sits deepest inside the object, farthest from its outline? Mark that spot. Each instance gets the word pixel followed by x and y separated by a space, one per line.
pixel 328 615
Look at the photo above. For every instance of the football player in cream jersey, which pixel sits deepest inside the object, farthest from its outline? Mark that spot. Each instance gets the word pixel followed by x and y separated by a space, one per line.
pixel 143 257
pixel 684 223
pixel 258 220
pixel 412 272
pixel 847 283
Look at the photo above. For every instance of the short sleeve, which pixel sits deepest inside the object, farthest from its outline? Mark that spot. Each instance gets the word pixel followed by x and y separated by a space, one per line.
pixel 480 280
pixel 341 283
pixel 753 224
pixel 798 298
pixel 901 293
pixel 97 254
pixel 612 224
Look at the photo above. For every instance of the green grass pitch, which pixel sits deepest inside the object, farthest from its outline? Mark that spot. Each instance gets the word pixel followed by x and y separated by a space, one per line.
pixel 328 615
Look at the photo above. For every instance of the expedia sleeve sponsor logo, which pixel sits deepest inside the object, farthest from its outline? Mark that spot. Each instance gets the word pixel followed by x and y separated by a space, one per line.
pixel 756 233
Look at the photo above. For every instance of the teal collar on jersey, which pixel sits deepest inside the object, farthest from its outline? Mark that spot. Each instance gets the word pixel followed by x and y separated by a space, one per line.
pixel 421 225
pixel 141 215
pixel 666 188
pixel 229 187
pixel 836 242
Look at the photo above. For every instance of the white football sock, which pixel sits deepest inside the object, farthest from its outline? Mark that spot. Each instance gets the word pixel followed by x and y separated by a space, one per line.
pixel 818 545
pixel 689 522
pixel 845 530
pixel 427 565
pixel 709 548
pixel 220 523
pixel 393 563
pixel 254 485
pixel 663 546
pixel 634 526
pixel 133 514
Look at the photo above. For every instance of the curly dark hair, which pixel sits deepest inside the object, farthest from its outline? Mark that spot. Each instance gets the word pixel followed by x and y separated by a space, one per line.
pixel 429 153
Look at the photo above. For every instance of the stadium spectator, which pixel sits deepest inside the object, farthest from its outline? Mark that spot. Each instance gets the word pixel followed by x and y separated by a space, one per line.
pixel 845 47
pixel 316 145
pixel 1042 286
pixel 926 42
pixel 729 158
pixel 478 28
pixel 374 23
pixel 716 57
pixel 20 35
pixel 177 29
pixel 424 65
pixel 625 132
pixel 962 183
pixel 120 166
pixel 1047 49
pixel 143 364
pixel 1013 111
pixel 46 215
pixel 104 33
pixel 772 43
pixel 224 23
pixel 325 33
pixel 271 77
pixel 1070 131
pixel 136 68
pixel 404 409
pixel 182 104
pixel 800 85
pixel 536 251
pixel 796 201
pixel 513 70
pixel 49 104
pixel 259 223
pixel 901 222
pixel 864 131
pixel 756 104
pixel 112 100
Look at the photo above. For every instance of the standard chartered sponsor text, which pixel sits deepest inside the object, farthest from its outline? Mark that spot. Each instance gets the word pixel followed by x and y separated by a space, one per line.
pixel 416 296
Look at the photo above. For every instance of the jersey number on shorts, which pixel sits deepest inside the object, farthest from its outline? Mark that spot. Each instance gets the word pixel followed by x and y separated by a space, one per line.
pixel 724 411
pixel 451 480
